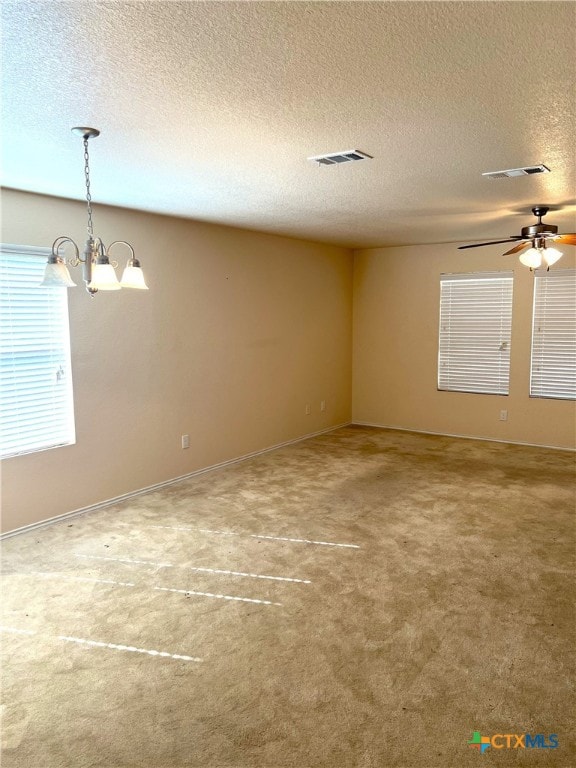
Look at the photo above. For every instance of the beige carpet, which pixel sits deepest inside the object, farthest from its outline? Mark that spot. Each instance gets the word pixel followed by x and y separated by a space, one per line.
pixel 363 599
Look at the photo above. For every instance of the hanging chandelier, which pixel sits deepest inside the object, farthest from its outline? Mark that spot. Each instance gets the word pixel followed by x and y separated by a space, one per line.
pixel 98 270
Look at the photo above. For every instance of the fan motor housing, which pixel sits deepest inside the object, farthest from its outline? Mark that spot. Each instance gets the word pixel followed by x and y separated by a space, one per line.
pixel 539 229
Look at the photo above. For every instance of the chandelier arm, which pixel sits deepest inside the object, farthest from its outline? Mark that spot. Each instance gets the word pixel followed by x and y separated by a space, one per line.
pixel 56 246
pixel 103 253
pixel 100 245
pixel 123 242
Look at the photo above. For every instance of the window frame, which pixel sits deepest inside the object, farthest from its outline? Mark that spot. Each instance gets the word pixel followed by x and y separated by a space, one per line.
pixel 21 434
pixel 564 337
pixel 497 382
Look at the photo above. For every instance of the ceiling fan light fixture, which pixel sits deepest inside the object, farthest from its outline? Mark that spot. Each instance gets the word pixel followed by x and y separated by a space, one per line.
pixel 531 258
pixel 551 255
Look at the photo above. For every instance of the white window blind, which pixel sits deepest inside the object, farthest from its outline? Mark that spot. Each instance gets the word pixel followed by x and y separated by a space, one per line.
pixel 475 329
pixel 36 406
pixel 553 370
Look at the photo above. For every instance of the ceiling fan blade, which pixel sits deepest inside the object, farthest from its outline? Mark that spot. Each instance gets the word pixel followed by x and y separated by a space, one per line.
pixel 568 238
pixel 492 242
pixel 518 248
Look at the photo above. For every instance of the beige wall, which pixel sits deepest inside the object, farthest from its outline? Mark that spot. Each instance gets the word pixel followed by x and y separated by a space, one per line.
pixel 238 332
pixel 395 343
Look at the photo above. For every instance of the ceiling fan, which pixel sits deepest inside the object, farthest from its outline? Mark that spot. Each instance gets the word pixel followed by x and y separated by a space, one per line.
pixel 538 236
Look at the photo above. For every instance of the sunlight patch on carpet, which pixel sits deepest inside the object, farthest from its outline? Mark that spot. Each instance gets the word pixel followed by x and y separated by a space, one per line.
pixel 99 644
pixel 195 568
pixel 220 597
pixel 258 536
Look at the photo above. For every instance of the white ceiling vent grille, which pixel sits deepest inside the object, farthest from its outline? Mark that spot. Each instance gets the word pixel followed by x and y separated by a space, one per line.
pixel 335 158
pixel 528 170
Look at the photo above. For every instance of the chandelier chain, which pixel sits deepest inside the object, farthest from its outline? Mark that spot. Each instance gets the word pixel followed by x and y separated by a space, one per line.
pixel 88 195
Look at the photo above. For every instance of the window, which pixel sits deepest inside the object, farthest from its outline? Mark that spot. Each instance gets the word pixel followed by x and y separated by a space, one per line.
pixel 36 407
pixel 553 370
pixel 475 329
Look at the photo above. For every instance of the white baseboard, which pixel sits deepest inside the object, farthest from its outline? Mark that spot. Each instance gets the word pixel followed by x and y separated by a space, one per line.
pixel 156 486
pixel 463 437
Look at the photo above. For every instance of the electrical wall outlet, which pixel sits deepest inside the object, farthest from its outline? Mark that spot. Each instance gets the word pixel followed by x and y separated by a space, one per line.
pixel 503 415
pixel 322 405
pixel 308 409
pixel 185 441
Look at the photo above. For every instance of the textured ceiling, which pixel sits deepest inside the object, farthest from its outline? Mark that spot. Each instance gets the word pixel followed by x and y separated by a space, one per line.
pixel 208 110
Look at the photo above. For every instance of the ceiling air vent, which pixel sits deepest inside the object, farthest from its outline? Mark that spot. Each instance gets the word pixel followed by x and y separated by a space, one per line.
pixel 335 158
pixel 529 170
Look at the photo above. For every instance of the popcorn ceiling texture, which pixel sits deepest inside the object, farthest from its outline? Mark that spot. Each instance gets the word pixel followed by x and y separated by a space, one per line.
pixel 451 614
pixel 209 110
